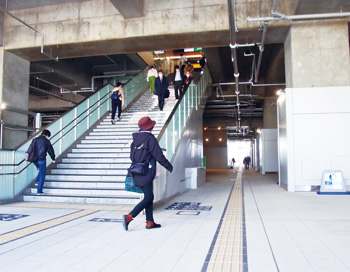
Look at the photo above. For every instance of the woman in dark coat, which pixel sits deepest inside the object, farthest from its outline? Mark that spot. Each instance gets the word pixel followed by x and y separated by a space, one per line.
pixel 145 148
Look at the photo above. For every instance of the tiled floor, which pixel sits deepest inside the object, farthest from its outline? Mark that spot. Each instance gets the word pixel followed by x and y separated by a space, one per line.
pixel 284 232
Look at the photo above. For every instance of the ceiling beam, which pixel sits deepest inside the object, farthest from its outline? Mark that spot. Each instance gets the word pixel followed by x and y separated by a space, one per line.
pixel 129 9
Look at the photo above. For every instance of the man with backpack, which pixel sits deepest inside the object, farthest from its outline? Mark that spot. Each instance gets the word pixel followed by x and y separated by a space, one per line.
pixel 42 146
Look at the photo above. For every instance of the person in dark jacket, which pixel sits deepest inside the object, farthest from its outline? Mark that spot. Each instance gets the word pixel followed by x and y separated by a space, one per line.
pixel 145 148
pixel 186 81
pixel 161 85
pixel 177 81
pixel 117 98
pixel 42 147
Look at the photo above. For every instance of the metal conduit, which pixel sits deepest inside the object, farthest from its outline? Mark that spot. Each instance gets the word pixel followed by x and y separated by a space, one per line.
pixel 42 35
pixel 51 94
pixel 233 46
pixel 262 44
pixel 282 16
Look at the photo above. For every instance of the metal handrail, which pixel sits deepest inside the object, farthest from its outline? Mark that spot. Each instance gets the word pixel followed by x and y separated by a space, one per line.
pixel 63 135
pixel 16 165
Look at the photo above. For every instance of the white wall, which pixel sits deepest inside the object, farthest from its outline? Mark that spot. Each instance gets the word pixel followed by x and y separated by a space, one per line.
pixel 268 151
pixel 188 155
pixel 313 132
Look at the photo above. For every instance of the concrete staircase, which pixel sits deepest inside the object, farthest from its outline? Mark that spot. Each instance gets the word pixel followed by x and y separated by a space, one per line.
pixel 94 170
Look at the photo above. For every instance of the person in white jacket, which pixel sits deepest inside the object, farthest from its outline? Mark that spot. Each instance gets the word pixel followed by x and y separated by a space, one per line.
pixel 151 78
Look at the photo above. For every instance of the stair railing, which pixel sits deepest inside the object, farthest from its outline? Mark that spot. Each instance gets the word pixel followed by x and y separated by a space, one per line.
pixel 16 173
pixel 175 125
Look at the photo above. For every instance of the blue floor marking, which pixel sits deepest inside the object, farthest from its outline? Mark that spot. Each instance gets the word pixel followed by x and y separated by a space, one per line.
pixel 188 206
pixel 11 217
pixel 103 220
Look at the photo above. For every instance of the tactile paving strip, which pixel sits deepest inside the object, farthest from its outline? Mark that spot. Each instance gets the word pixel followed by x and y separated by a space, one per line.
pixel 227 254
pixel 17 234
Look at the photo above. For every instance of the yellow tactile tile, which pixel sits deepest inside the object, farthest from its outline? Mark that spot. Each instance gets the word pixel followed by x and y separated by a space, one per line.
pixel 227 254
pixel 8 237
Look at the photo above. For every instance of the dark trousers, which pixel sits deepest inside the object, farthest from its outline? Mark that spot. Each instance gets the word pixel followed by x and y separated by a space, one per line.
pixel 161 101
pixel 146 203
pixel 116 103
pixel 178 88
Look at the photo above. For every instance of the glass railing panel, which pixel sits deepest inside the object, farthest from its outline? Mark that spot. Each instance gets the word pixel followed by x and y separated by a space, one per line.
pixel 82 120
pixel 6 182
pixel 170 139
pixel 69 130
pixel 93 112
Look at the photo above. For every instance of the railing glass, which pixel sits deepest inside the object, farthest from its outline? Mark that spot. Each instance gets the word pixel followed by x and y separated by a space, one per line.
pixel 16 174
pixel 171 133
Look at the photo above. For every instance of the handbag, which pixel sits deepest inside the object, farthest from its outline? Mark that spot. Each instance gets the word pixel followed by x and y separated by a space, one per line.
pixel 130 185
pixel 139 168
pixel 167 94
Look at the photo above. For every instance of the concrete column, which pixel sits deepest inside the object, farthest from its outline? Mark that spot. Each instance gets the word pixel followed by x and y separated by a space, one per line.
pixel 317 54
pixel 14 76
pixel 270 112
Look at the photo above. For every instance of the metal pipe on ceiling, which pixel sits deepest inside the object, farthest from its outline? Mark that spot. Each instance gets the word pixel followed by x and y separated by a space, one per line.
pixel 282 16
pixel 233 46
pixel 104 76
pixel 32 28
pixel 51 94
pixel 52 84
pixel 261 49
pixel 249 83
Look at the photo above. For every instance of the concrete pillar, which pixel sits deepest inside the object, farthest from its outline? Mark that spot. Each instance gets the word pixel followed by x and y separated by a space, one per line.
pixel 317 54
pixel 313 114
pixel 270 112
pixel 14 85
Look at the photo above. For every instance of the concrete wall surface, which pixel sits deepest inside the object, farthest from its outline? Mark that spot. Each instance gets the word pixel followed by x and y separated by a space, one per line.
pixel 15 80
pixel 100 20
pixel 317 54
pixel 312 135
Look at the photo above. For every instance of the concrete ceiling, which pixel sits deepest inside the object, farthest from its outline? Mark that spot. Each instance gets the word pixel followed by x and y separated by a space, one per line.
pixel 214 44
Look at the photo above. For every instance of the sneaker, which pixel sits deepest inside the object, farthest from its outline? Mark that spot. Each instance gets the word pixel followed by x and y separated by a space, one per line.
pixel 118 119
pixel 112 121
pixel 42 193
pixel 36 184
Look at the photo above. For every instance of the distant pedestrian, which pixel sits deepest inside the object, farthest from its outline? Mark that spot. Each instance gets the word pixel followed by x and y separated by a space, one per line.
pixel 117 98
pixel 183 60
pixel 145 148
pixel 151 77
pixel 177 81
pixel 233 162
pixel 246 162
pixel 186 81
pixel 161 85
pixel 42 147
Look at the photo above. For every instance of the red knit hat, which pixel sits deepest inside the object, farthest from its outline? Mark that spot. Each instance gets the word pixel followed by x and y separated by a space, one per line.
pixel 145 123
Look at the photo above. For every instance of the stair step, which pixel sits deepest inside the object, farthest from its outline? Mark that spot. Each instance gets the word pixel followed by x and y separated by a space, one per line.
pixel 96 160
pixel 85 178
pixel 85 185
pixel 85 192
pixel 99 155
pixel 89 172
pixel 94 166
pixel 109 141
pixel 101 150
pixel 83 199
pixel 110 145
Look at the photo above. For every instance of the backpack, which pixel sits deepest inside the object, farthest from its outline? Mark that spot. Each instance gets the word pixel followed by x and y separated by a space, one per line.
pixel 31 155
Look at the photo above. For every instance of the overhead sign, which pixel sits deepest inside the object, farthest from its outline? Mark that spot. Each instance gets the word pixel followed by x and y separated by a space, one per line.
pixel 159 52
pixel 196 49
